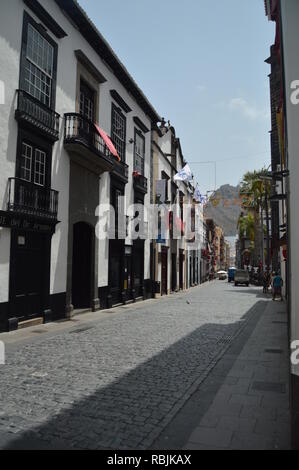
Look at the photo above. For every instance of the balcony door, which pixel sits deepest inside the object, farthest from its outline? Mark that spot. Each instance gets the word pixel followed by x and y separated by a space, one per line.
pixel 87 101
pixel 87 111
pixel 32 164
pixel 139 153
pixel 118 131
pixel 33 176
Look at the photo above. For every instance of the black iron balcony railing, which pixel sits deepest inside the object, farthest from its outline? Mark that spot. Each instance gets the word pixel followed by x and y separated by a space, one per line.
pixel 30 199
pixel 78 129
pixel 121 170
pixel 32 112
pixel 140 182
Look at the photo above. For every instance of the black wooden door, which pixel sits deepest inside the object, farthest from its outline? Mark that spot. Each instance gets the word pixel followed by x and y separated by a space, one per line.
pixel 27 281
pixel 164 272
pixel 116 270
pixel 181 267
pixel 128 276
pixel 138 267
pixel 173 272
pixel 82 265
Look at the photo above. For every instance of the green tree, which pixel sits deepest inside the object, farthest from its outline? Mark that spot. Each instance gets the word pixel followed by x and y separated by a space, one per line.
pixel 254 189
pixel 253 192
pixel 246 226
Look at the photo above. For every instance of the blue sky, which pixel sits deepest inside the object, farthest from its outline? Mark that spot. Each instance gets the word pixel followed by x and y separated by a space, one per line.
pixel 201 64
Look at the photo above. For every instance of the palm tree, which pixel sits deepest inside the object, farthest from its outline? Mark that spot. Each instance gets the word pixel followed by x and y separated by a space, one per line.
pixel 246 226
pixel 254 189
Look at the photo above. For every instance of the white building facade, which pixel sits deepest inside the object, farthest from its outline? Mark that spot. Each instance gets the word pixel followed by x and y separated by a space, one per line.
pixel 176 252
pixel 63 86
pixel 284 61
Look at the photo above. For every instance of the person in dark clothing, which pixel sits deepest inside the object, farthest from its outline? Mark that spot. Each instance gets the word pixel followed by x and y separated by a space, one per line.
pixel 277 284
pixel 265 282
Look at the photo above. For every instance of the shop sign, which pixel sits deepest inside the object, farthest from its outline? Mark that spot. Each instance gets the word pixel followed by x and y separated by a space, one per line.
pixel 15 221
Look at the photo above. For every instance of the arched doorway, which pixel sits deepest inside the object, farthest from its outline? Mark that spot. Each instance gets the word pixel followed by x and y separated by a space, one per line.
pixel 82 265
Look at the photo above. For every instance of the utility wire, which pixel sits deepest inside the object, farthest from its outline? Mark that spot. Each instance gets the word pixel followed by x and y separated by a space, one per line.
pixel 227 159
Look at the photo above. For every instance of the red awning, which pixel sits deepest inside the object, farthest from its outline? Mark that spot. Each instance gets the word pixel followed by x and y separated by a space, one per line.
pixel 179 224
pixel 107 141
pixel 174 219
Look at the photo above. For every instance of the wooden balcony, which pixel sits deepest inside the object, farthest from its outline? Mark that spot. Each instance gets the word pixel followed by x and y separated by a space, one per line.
pixel 29 199
pixel 140 183
pixel 85 145
pixel 121 171
pixel 38 117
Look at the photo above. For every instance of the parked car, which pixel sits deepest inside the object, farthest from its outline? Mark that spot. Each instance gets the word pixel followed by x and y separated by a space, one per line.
pixel 222 275
pixel 241 277
pixel 231 274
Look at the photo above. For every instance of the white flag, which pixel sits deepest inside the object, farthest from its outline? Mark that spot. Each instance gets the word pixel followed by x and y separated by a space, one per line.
pixel 184 174
pixel 197 194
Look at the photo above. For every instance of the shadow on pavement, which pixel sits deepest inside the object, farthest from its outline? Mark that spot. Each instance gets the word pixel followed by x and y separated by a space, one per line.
pixel 248 290
pixel 175 435
pixel 132 411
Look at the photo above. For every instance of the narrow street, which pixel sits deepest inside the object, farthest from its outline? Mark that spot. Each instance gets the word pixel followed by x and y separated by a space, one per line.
pixel 179 372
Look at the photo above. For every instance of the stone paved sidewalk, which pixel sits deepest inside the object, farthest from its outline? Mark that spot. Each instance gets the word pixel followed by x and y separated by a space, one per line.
pixel 116 379
pixel 244 402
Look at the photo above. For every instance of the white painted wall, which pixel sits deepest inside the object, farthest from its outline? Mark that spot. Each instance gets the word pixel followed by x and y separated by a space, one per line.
pixel 11 26
pixel 165 143
pixel 11 22
pixel 4 263
pixel 164 165
pixel 10 44
pixel 290 19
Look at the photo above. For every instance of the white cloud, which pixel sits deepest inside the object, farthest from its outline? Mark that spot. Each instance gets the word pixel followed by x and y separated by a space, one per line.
pixel 247 110
pixel 201 88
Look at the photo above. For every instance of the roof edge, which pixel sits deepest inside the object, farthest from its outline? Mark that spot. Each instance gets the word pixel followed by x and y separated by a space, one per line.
pixel 93 36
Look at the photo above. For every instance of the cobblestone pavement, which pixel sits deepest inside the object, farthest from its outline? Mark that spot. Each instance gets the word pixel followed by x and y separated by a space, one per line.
pixel 116 379
pixel 244 401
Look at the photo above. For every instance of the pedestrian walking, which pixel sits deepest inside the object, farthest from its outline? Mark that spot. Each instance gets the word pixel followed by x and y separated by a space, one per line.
pixel 277 284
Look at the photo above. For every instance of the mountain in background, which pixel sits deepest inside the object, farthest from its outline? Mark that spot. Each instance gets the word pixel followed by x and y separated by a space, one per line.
pixel 224 208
